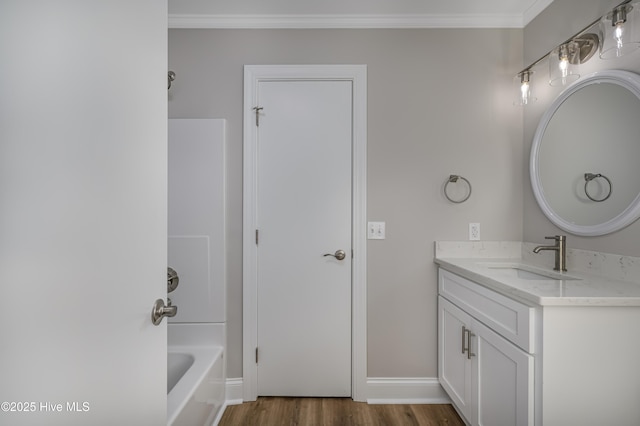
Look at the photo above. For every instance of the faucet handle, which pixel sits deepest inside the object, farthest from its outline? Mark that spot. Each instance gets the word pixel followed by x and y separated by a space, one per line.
pixel 556 237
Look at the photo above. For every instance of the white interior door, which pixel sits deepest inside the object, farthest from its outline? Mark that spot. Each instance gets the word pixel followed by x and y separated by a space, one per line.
pixel 304 213
pixel 83 211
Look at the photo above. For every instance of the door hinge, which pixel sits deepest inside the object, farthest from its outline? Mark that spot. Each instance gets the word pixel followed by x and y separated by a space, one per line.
pixel 257 110
pixel 256 354
pixel 256 237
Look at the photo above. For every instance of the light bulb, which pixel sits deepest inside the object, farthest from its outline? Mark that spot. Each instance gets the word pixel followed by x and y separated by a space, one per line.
pixel 524 92
pixel 619 17
pixel 618 34
pixel 522 89
pixel 563 64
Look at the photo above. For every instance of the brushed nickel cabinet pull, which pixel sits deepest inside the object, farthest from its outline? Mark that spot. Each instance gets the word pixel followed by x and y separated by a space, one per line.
pixel 464 335
pixel 469 336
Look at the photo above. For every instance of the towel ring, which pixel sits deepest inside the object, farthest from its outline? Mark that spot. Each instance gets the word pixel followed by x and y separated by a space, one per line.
pixel 171 76
pixel 454 179
pixel 588 177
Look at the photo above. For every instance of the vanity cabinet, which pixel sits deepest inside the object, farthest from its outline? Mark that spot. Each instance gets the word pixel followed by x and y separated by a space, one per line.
pixel 489 378
pixel 571 360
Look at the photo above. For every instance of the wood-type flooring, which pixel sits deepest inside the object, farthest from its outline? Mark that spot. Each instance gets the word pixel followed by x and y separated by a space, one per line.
pixel 281 411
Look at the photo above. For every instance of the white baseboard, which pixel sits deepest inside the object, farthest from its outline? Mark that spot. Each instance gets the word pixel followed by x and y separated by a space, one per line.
pixel 234 391
pixel 380 390
pixel 405 390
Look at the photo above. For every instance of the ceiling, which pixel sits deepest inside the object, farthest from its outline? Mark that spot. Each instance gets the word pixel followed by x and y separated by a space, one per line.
pixel 353 13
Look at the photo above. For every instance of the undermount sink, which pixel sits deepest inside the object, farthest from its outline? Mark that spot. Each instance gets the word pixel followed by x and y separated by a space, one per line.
pixel 524 272
pixel 526 275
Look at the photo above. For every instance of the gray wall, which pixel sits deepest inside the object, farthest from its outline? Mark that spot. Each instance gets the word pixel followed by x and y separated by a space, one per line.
pixel 439 102
pixel 541 35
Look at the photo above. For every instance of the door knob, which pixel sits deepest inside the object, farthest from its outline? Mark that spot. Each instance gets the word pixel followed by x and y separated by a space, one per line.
pixel 339 254
pixel 160 311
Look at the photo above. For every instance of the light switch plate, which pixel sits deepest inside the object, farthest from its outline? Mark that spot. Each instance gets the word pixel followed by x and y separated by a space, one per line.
pixel 376 230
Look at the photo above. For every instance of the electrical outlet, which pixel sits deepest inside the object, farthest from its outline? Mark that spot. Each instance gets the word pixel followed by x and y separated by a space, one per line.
pixel 474 231
pixel 376 230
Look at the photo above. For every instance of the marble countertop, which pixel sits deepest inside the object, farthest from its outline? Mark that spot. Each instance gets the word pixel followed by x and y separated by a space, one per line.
pixel 569 289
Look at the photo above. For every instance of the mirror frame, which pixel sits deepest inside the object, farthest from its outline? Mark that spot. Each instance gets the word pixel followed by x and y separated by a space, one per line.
pixel 626 79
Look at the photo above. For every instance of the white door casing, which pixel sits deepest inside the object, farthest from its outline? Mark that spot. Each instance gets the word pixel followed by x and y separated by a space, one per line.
pixel 356 76
pixel 83 211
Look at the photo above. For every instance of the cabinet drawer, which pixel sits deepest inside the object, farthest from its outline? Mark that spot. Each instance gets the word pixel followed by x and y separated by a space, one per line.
pixel 507 317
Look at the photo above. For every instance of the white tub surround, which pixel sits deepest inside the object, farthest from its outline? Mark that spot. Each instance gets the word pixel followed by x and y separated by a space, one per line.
pixel 196 226
pixel 198 395
pixel 196 250
pixel 538 347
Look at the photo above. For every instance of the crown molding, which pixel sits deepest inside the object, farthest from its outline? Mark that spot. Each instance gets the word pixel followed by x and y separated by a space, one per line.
pixel 346 21
pixel 534 11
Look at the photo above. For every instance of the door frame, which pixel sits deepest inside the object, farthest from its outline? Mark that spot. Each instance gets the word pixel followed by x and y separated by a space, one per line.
pixel 357 74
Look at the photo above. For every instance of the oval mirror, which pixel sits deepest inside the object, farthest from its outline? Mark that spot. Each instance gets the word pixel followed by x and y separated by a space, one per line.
pixel 585 156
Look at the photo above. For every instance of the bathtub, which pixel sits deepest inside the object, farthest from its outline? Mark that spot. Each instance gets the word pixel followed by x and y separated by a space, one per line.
pixel 195 384
pixel 177 364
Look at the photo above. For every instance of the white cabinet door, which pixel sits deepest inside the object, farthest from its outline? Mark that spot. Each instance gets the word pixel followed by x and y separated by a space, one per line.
pixel 454 367
pixel 492 385
pixel 502 379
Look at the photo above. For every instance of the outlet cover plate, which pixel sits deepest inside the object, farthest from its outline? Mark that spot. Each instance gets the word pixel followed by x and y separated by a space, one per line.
pixel 474 232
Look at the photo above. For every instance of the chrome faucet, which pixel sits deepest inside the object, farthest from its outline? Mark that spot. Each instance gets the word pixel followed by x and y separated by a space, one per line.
pixel 560 248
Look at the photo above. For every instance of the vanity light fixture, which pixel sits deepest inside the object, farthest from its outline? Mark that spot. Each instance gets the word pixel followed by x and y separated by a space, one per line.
pixel 563 64
pixel 617 36
pixel 618 31
pixel 522 84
